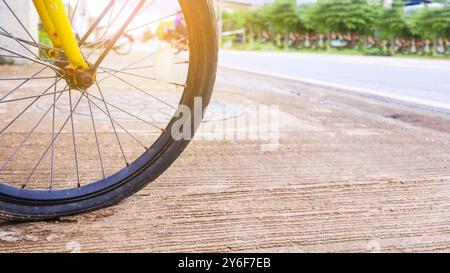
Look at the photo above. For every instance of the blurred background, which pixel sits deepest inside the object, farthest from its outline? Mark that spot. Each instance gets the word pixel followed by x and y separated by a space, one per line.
pixel 332 42
pixel 370 27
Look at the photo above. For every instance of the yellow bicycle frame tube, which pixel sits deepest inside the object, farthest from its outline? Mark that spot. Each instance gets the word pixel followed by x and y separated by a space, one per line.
pixel 56 22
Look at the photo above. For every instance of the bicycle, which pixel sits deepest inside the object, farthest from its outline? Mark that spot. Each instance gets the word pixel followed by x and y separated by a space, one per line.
pixel 81 134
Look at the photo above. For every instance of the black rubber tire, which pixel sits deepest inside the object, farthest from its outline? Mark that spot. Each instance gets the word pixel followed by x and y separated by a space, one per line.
pixel 201 22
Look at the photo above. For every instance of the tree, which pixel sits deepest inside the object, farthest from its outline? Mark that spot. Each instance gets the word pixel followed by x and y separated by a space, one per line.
pixel 392 24
pixel 256 21
pixel 433 23
pixel 342 16
pixel 233 20
pixel 284 16
pixel 412 20
pixel 441 23
pixel 306 15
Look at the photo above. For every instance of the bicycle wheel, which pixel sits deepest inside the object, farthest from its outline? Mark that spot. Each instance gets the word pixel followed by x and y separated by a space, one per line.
pixel 66 151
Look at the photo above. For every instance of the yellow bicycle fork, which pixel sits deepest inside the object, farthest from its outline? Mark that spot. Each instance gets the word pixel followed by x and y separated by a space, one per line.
pixel 57 24
pixel 77 72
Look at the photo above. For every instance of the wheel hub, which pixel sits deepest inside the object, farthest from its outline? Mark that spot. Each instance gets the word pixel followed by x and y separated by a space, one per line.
pixel 77 78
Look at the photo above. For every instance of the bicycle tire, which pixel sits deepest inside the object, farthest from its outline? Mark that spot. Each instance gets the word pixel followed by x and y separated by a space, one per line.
pixel 32 205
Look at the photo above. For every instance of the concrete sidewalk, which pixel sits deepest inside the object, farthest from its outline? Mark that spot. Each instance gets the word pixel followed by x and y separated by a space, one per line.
pixel 351 174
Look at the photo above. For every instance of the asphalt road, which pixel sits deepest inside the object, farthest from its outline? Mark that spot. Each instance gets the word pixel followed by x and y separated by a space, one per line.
pixel 418 81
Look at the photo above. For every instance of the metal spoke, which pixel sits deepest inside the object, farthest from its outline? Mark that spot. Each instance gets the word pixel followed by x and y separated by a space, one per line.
pixel 146 7
pixel 22 84
pixel 20 22
pixel 68 7
pixel 53 135
pixel 155 21
pixel 118 34
pixel 116 122
pixel 18 57
pixel 74 139
pixel 141 90
pixel 97 21
pixel 23 79
pixel 16 150
pixel 142 77
pixel 96 139
pixel 112 124
pixel 26 108
pixel 48 148
pixel 138 61
pixel 54 67
pixel 21 44
pixel 10 56
pixel 74 11
pixel 129 69
pixel 41 46
pixel 111 21
pixel 128 113
pixel 36 96
pixel 149 23
pixel 142 67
